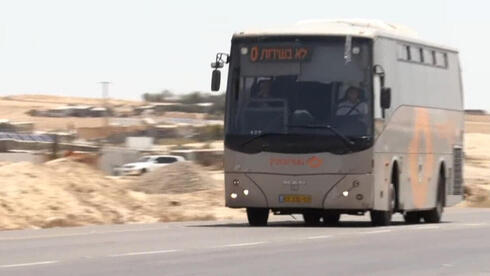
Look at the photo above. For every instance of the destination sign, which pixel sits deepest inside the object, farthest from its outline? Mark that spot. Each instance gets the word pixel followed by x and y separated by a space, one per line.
pixel 274 54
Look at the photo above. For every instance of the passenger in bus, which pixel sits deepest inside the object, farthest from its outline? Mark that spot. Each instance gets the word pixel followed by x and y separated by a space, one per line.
pixel 352 104
pixel 264 89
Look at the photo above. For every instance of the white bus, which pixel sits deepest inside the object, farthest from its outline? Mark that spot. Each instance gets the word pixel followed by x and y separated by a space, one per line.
pixel 325 118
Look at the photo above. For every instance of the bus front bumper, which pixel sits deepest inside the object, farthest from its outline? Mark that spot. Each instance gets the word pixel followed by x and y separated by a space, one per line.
pixel 330 192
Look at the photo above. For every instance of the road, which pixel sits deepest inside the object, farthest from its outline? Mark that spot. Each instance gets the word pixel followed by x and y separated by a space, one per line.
pixel 459 245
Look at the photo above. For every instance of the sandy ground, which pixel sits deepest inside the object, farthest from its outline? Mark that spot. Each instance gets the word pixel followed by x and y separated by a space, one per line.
pixel 67 193
pixel 15 108
pixel 477 162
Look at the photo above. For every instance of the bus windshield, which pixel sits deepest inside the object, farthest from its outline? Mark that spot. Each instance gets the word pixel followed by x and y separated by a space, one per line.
pixel 300 95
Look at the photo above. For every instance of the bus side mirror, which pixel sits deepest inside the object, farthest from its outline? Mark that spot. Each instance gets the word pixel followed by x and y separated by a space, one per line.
pixel 215 80
pixel 385 97
pixel 221 60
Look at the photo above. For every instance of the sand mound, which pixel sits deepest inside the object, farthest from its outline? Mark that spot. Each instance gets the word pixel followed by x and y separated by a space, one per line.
pixel 476 196
pixel 178 178
pixel 67 193
pixel 477 170
pixel 58 194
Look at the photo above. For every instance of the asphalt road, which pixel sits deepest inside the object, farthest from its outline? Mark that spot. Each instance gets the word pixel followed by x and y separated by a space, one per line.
pixel 458 246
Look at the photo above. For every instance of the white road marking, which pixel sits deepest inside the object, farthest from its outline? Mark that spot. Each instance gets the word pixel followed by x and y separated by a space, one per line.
pixel 144 253
pixel 420 227
pixel 474 224
pixel 427 227
pixel 243 244
pixel 318 237
pixel 79 234
pixel 28 264
pixel 376 232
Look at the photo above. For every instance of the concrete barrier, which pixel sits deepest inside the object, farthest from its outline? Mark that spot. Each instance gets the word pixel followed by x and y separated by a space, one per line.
pixel 23 157
pixel 10 145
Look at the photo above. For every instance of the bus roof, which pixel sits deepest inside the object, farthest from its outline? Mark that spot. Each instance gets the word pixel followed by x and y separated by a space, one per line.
pixel 343 27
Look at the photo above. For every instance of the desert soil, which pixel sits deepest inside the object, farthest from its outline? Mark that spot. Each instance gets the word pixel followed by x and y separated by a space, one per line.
pixel 477 161
pixel 68 193
pixel 15 108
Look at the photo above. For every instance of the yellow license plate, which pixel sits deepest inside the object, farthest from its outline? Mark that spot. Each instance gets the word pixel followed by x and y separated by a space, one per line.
pixel 295 198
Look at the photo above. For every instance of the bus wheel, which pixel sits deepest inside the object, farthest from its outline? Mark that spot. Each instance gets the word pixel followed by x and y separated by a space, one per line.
pixel 257 216
pixel 311 219
pixel 331 219
pixel 383 218
pixel 412 217
pixel 434 215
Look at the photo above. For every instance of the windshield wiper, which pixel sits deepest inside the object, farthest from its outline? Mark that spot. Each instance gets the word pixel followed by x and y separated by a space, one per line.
pixel 349 143
pixel 259 136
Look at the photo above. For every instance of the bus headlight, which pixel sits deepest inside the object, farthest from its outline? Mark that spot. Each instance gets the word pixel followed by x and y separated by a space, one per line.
pixel 245 192
pixel 233 195
pixel 345 193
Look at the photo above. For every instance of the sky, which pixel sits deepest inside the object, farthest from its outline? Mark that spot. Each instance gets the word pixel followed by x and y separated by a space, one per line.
pixel 65 47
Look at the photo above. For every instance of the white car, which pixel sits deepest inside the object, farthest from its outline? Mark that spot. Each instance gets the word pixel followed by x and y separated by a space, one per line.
pixel 148 163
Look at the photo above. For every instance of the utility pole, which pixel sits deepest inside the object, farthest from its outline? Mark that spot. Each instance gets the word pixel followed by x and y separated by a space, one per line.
pixel 105 98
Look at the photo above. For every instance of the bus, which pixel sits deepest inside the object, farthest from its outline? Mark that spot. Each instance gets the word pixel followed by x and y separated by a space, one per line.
pixel 325 118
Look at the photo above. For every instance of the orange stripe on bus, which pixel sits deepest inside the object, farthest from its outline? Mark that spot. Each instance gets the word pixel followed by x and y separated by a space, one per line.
pixel 420 180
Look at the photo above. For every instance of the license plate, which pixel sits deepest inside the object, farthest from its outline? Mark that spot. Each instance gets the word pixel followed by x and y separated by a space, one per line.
pixel 295 198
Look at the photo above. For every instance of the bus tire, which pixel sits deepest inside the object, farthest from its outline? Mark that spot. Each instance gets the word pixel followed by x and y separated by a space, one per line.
pixel 331 219
pixel 257 216
pixel 383 218
pixel 412 217
pixel 434 215
pixel 311 219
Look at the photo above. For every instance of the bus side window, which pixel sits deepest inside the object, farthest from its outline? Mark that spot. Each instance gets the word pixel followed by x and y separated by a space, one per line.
pixel 414 54
pixel 402 52
pixel 427 56
pixel 378 114
pixel 440 60
pixel 421 52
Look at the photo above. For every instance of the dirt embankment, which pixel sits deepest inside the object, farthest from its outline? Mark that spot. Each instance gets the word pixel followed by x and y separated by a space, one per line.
pixel 180 178
pixel 477 161
pixel 66 193
pixel 477 170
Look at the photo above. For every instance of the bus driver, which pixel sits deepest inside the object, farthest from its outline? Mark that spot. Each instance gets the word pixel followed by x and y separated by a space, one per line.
pixel 352 104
